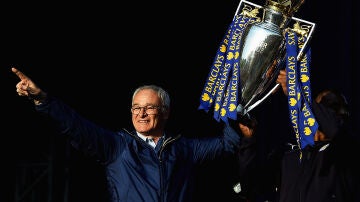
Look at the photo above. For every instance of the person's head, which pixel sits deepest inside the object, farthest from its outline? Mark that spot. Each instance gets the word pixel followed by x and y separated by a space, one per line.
pixel 150 110
pixel 331 112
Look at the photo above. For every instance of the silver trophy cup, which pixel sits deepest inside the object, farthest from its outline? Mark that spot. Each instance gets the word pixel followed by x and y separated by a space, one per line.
pixel 262 49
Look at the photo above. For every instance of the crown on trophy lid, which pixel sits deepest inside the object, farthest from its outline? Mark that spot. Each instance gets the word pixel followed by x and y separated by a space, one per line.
pixel 287 7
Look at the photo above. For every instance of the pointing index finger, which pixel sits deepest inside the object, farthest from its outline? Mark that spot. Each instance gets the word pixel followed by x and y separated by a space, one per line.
pixel 21 75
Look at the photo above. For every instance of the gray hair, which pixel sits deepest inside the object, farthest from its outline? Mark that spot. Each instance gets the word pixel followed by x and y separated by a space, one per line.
pixel 163 95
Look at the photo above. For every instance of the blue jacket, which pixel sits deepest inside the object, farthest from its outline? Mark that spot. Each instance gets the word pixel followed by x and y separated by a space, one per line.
pixel 136 172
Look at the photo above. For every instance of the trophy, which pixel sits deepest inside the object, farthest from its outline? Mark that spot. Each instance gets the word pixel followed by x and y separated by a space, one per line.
pixel 263 50
pixel 249 58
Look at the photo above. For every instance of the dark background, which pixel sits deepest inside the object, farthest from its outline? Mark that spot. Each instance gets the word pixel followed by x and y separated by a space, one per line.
pixel 93 55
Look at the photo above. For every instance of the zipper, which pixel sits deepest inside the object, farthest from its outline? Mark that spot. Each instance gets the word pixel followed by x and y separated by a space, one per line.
pixel 166 142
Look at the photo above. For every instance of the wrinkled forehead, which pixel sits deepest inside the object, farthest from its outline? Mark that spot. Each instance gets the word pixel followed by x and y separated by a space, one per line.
pixel 146 97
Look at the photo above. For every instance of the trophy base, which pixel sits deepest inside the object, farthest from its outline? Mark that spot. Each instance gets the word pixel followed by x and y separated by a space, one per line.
pixel 242 111
pixel 244 117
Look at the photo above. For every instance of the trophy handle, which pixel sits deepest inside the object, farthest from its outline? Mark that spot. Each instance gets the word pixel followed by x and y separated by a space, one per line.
pixel 311 27
pixel 247 110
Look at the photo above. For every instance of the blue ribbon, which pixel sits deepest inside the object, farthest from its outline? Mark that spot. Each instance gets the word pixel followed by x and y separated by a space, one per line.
pixel 211 84
pixel 299 91
pixel 221 89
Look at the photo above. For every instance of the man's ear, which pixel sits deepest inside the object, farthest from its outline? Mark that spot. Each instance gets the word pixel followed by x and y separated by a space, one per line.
pixel 166 114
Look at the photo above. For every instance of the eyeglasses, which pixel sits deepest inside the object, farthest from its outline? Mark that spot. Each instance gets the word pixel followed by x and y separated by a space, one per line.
pixel 149 110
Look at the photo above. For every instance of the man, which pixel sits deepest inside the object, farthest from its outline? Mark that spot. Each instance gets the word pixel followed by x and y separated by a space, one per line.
pixel 329 169
pixel 146 164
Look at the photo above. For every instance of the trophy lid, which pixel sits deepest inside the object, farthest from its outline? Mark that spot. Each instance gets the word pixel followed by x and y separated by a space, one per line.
pixel 287 7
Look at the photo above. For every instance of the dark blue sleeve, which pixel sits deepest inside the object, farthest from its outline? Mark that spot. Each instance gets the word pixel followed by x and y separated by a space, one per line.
pixel 216 147
pixel 84 135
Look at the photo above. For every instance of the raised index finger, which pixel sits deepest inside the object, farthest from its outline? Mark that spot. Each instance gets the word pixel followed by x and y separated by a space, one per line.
pixel 21 75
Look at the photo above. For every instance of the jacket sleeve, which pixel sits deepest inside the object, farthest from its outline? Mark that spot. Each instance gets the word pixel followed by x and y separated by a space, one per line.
pixel 84 135
pixel 211 148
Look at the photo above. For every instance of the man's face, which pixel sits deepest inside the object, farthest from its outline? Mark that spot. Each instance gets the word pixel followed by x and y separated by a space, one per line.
pixel 151 123
pixel 329 121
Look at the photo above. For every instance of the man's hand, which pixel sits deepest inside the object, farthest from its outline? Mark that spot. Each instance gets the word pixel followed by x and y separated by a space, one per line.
pixel 281 79
pixel 246 131
pixel 247 125
pixel 26 87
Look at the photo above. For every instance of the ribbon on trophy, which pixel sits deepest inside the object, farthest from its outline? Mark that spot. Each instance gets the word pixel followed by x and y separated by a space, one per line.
pixel 299 90
pixel 248 61
pixel 222 84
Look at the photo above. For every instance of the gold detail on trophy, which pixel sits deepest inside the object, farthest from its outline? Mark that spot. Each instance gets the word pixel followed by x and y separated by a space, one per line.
pixel 301 30
pixel 287 7
pixel 250 12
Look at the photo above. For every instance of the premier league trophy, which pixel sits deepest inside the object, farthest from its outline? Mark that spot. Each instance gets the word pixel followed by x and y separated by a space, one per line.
pixel 249 58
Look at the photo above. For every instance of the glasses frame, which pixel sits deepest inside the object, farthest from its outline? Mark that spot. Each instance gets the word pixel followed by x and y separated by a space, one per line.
pixel 145 109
